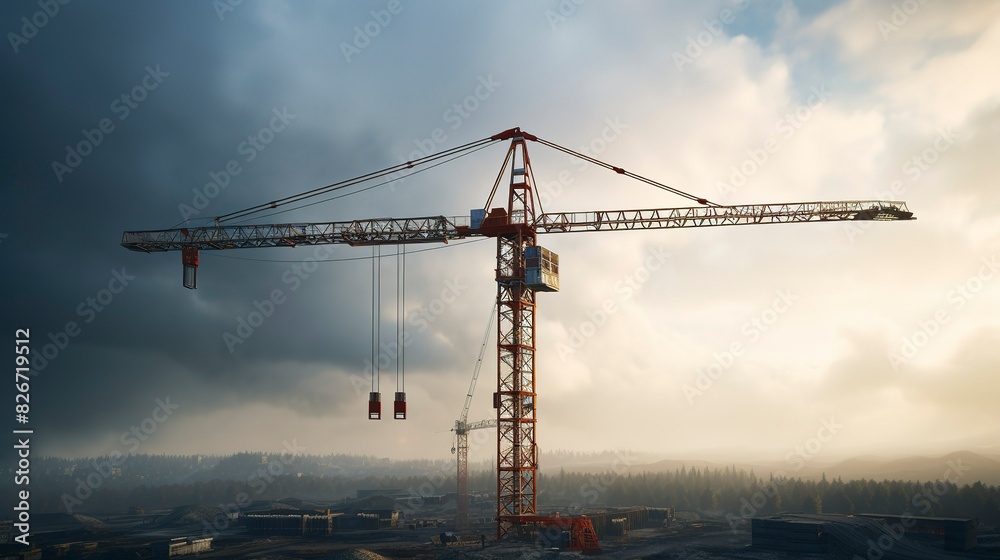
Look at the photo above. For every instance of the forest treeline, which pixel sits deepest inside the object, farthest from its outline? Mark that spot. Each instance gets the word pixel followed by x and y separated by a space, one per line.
pixel 743 494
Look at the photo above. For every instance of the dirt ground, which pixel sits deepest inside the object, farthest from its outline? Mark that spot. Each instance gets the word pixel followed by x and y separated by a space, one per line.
pixel 689 539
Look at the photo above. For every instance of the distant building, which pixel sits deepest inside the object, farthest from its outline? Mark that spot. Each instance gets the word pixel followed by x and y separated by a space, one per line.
pixel 947 532
pixel 292 524
pixel 180 546
pixel 802 533
pixel 303 524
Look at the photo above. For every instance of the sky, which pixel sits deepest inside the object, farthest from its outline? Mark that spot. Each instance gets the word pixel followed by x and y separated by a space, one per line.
pixel 735 343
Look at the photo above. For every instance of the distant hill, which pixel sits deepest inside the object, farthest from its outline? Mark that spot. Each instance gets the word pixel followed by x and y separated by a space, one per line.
pixel 634 467
pixel 961 467
pixel 991 452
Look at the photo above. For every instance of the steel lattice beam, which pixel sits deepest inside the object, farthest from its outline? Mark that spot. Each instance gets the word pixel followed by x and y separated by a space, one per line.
pixel 517 459
pixel 705 216
pixel 462 458
pixel 428 229
pixel 517 455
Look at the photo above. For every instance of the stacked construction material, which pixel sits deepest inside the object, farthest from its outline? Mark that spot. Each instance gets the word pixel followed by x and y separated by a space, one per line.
pixel 789 534
pixel 947 532
pixel 863 536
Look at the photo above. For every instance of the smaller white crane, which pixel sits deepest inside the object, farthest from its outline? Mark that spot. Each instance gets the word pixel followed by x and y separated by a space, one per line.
pixel 462 429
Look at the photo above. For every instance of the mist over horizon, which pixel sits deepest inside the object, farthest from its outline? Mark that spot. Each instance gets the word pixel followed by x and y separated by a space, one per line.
pixel 626 460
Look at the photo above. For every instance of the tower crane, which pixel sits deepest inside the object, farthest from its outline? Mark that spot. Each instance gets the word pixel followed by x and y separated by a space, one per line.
pixel 523 270
pixel 462 429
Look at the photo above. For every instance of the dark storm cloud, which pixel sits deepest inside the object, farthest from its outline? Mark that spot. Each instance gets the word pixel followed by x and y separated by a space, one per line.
pixel 120 329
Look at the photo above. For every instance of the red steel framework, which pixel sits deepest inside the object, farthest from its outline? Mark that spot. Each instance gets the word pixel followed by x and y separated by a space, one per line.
pixel 515 400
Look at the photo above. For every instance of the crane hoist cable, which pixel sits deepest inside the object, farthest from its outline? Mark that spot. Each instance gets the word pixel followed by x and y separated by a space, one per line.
pixel 375 323
pixel 400 291
pixel 399 402
pixel 375 397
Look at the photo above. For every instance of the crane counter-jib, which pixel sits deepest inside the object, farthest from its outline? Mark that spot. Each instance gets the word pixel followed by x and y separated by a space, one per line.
pixel 427 229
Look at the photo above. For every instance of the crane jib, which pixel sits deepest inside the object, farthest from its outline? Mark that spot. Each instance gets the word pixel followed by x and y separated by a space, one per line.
pixel 442 229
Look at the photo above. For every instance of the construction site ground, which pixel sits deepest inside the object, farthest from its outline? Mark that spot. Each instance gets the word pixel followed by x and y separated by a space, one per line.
pixel 691 537
pixel 687 541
